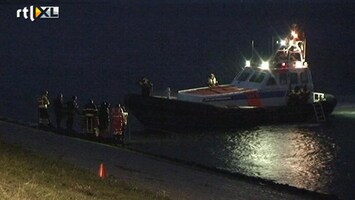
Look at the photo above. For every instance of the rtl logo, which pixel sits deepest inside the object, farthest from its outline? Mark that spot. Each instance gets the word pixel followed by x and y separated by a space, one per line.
pixel 35 12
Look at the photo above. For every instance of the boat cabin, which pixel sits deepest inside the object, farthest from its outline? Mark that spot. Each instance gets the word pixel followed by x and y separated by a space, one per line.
pixel 266 84
pixel 277 78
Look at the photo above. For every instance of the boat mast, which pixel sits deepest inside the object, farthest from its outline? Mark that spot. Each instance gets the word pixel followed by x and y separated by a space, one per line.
pixel 252 51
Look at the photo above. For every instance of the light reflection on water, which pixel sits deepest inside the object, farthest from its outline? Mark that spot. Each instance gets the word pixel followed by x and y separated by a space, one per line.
pixel 300 156
pixel 314 157
pixel 287 154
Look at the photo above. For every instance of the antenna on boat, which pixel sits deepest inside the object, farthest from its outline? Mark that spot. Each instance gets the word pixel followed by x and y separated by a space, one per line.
pixel 252 51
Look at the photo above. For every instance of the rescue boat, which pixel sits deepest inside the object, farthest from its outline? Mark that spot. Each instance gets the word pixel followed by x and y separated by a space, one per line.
pixel 279 90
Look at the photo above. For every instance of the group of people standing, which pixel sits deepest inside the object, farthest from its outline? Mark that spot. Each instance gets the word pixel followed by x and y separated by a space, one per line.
pixel 96 121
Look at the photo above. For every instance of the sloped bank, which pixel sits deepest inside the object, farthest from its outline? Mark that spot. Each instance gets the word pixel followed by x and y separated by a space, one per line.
pixel 175 178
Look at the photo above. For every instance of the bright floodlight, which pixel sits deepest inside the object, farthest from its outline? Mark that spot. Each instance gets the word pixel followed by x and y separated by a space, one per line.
pixel 247 63
pixel 294 34
pixel 283 42
pixel 299 64
pixel 264 65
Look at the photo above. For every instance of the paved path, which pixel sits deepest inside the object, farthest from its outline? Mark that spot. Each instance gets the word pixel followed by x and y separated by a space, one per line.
pixel 177 180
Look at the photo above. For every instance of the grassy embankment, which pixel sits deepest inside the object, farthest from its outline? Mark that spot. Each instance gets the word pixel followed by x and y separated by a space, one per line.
pixel 24 175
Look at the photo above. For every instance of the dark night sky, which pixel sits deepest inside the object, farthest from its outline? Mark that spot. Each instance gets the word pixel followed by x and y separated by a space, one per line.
pixel 100 49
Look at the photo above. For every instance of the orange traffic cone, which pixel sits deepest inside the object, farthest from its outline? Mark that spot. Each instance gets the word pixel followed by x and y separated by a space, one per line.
pixel 102 171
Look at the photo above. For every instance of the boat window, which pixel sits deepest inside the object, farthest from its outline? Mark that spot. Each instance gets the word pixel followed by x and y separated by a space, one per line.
pixel 257 77
pixel 271 81
pixel 260 78
pixel 283 79
pixel 304 77
pixel 244 75
pixel 252 78
pixel 294 78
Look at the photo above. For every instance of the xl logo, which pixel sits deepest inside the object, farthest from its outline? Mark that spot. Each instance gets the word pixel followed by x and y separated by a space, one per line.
pixel 35 12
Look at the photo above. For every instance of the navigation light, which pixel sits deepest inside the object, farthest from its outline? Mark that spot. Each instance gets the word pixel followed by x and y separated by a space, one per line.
pixel 294 34
pixel 264 65
pixel 247 63
pixel 299 64
pixel 283 42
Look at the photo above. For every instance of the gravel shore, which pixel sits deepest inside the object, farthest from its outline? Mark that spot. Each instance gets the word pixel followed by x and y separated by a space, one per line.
pixel 174 179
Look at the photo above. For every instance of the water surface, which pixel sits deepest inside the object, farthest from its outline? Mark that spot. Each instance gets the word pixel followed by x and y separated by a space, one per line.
pixel 309 156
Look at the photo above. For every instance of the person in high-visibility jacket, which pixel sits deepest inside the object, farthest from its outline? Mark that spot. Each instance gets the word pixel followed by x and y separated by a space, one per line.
pixel 43 104
pixel 91 119
pixel 212 81
pixel 118 123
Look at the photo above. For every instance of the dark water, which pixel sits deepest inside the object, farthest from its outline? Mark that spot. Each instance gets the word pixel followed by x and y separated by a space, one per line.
pixel 311 156
pixel 100 49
